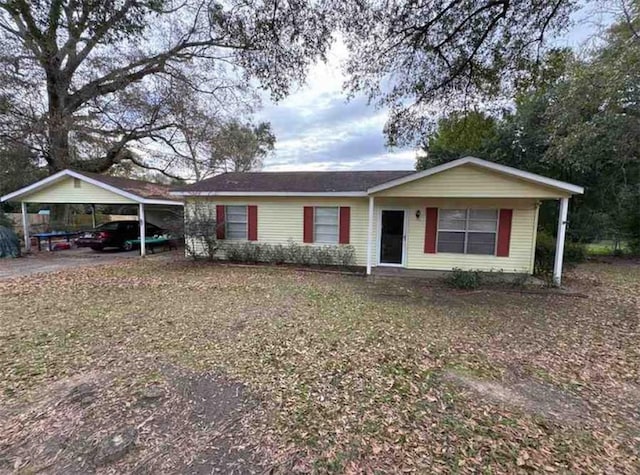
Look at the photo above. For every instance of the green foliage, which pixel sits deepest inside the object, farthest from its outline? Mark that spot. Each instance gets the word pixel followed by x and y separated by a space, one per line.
pixel 238 147
pixel 9 243
pixel 5 221
pixel 19 168
pixel 579 124
pixel 464 279
pixel 574 253
pixel 292 253
pixel 458 135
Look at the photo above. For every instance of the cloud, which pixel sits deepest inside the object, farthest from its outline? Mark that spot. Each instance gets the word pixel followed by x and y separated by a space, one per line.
pixel 317 128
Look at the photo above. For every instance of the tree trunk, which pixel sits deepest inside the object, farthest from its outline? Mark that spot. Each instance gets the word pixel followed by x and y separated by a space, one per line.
pixel 57 90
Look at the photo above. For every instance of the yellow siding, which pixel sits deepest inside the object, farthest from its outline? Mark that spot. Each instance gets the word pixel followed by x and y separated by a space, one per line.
pixel 64 191
pixel 523 233
pixel 469 181
pixel 281 220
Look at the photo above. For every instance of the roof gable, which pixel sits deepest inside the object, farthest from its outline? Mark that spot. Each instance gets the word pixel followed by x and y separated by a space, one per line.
pixel 107 189
pixel 497 169
pixel 470 181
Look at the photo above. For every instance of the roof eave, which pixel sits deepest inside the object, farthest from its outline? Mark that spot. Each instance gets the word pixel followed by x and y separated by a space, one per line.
pixel 343 194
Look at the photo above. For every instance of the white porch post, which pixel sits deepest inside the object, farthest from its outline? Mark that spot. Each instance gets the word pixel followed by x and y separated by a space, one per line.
pixel 143 249
pixel 370 236
pixel 93 215
pixel 562 229
pixel 25 226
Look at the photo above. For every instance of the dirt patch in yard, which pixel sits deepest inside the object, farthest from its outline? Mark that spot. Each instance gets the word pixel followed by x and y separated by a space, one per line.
pixel 531 396
pixel 166 420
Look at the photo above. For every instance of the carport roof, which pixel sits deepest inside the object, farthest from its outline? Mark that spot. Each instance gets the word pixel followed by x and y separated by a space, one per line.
pixel 136 190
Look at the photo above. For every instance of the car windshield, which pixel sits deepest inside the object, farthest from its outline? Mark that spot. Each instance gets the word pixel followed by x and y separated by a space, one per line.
pixel 108 227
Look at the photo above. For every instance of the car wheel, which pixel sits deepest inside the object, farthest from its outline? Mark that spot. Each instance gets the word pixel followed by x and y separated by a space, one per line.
pixel 127 246
pixel 96 248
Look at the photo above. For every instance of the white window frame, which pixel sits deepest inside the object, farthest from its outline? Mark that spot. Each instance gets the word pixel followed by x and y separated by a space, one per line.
pixel 466 231
pixel 315 215
pixel 227 221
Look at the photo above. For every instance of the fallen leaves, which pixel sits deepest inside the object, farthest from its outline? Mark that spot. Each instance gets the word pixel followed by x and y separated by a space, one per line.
pixel 349 380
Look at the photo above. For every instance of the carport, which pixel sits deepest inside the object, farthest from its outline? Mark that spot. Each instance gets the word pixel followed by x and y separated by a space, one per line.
pixel 73 187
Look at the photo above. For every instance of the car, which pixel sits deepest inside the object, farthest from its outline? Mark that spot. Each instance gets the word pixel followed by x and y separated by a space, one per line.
pixel 115 234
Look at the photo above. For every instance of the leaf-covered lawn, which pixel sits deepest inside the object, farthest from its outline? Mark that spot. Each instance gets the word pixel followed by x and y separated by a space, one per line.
pixel 352 375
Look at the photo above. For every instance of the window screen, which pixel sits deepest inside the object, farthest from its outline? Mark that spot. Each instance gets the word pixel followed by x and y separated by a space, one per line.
pixel 467 231
pixel 236 222
pixel 325 225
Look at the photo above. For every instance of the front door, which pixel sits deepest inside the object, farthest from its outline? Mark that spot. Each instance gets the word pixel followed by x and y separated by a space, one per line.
pixel 391 236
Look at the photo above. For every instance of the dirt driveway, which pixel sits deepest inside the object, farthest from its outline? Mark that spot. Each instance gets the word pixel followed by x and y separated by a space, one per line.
pixel 40 262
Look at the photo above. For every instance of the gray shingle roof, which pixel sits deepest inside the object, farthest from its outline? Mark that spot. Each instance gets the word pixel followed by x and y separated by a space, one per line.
pixel 141 188
pixel 295 182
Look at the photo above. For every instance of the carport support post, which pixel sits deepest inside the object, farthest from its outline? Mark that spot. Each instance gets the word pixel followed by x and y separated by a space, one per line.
pixel 25 226
pixel 370 235
pixel 562 230
pixel 143 250
pixel 93 215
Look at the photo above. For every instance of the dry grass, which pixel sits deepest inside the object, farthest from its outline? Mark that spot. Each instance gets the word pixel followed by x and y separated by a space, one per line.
pixel 351 375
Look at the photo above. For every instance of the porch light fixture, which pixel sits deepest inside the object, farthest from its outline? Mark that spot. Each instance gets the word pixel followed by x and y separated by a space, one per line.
pixel 418 214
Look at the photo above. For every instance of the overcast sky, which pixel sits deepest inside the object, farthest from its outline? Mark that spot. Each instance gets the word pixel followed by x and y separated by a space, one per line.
pixel 318 129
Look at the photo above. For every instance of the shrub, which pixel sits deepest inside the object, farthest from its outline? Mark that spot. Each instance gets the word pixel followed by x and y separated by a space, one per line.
pixel 574 253
pixel 9 243
pixel 5 221
pixel 242 252
pixel 277 254
pixel 346 256
pixel 324 255
pixel 464 279
pixel 200 232
pixel 292 253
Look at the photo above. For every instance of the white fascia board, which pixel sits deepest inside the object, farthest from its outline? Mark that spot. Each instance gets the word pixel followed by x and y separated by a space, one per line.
pixel 342 194
pixel 531 177
pixel 163 202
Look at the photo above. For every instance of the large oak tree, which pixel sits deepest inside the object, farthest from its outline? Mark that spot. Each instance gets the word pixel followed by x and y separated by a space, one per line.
pixel 422 57
pixel 82 80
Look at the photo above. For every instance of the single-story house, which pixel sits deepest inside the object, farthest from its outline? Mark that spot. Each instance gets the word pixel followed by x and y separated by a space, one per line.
pixel 469 213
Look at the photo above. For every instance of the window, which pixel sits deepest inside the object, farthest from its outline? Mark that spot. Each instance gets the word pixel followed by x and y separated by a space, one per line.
pixel 77 183
pixel 325 225
pixel 236 222
pixel 467 231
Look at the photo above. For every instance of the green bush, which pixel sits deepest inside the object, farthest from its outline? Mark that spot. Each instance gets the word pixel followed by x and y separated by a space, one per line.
pixel 5 221
pixel 9 243
pixel 292 253
pixel 574 253
pixel 464 279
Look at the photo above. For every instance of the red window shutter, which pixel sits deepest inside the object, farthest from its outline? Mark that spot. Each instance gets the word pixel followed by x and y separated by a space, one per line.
pixel 431 230
pixel 252 232
pixel 345 224
pixel 504 232
pixel 307 231
pixel 220 222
